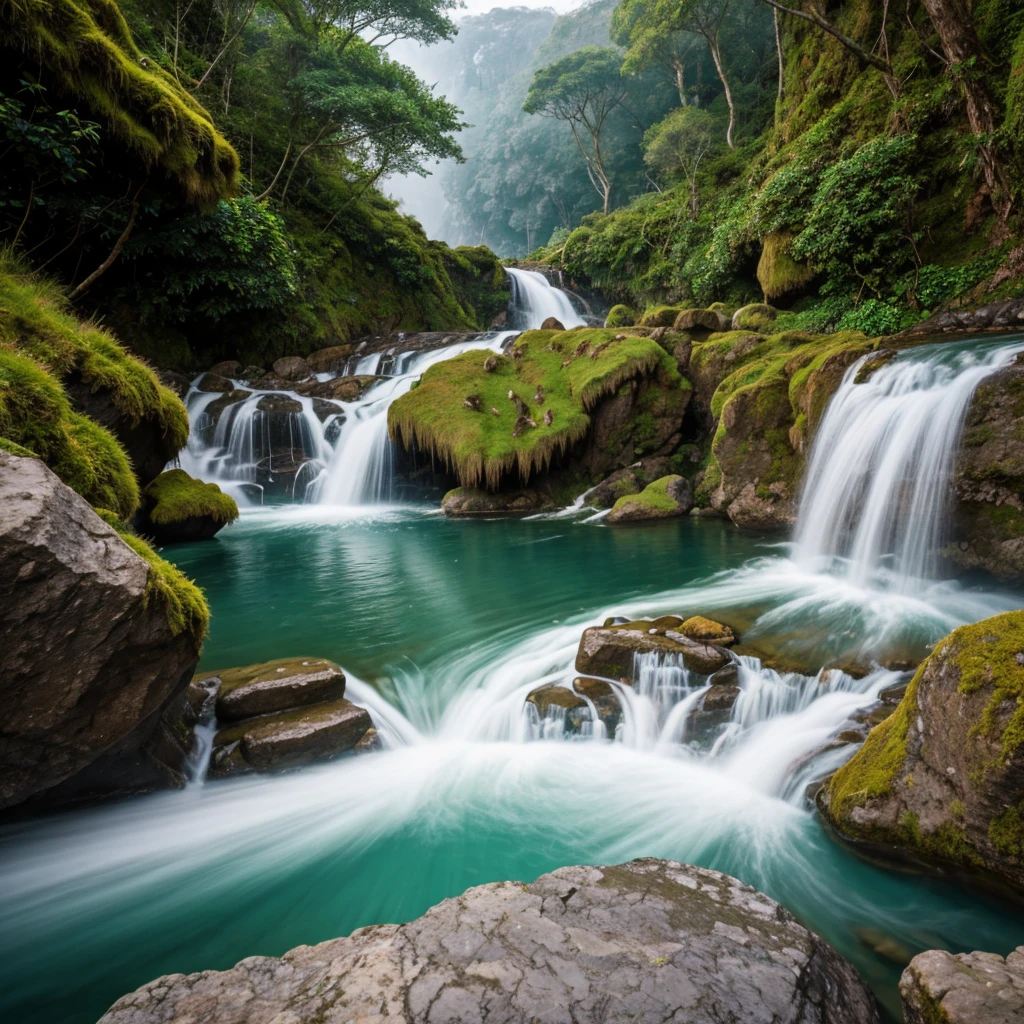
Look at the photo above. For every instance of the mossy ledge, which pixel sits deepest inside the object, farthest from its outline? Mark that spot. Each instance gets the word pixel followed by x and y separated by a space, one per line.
pixel 461 413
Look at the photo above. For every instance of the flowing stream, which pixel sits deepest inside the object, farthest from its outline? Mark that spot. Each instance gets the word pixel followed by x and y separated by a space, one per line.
pixel 444 628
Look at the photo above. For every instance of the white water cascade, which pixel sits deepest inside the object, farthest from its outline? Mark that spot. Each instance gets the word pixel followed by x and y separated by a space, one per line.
pixel 346 456
pixel 876 494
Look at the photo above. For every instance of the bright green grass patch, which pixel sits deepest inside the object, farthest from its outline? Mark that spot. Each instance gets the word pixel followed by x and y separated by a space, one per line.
pixel 174 496
pixel 35 318
pixel 574 369
pixel 35 414
pixel 183 602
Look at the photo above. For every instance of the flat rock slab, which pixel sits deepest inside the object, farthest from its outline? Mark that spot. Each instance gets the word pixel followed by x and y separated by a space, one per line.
pixel 649 941
pixel 609 650
pixel 968 988
pixel 271 686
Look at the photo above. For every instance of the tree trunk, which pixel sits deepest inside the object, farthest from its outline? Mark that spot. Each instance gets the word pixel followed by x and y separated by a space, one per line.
pixel 680 72
pixel 778 48
pixel 716 56
pixel 960 44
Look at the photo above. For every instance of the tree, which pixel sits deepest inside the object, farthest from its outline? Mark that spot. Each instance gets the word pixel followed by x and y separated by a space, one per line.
pixel 648 44
pixel 582 89
pixel 647 24
pixel 680 143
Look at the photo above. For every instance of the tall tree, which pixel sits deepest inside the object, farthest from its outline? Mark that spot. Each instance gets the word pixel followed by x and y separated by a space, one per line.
pixel 582 89
pixel 648 44
pixel 680 143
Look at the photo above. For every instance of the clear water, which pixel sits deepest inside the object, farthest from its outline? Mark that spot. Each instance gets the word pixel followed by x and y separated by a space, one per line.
pixel 453 620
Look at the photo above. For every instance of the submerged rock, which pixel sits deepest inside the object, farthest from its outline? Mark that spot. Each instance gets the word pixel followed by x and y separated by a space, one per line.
pixel 667 498
pixel 965 988
pixel 552 700
pixel 91 657
pixel 646 941
pixel 469 501
pixel 609 650
pixel 942 777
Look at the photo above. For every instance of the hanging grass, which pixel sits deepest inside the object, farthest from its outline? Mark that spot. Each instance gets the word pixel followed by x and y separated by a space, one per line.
pixel 574 369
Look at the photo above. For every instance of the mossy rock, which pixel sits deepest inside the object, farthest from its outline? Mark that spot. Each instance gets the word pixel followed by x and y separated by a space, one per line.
pixel 942 779
pixel 177 508
pixel 757 316
pixel 697 627
pixel 701 321
pixel 777 271
pixel 621 316
pixel 272 686
pixel 666 498
pixel 659 316
pixel 554 378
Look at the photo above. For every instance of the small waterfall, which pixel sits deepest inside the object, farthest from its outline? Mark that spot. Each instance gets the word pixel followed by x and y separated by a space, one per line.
pixel 875 500
pixel 534 300
pixel 273 445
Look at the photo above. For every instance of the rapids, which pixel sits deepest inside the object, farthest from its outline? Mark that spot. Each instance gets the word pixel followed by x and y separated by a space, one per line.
pixel 444 628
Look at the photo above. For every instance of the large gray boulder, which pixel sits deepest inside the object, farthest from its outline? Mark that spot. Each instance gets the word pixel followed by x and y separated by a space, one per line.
pixel 968 988
pixel 89 664
pixel 645 942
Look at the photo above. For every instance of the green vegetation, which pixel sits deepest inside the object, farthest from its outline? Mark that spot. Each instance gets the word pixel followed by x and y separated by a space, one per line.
pixel 654 499
pixel 620 316
pixel 174 496
pixel 462 414
pixel 183 602
pixel 1006 832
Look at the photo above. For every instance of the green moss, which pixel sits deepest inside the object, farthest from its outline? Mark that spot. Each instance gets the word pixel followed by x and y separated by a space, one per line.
pixel 653 498
pixel 36 414
pixel 1006 833
pixel 16 449
pixel 990 654
pixel 35 318
pixel 621 316
pixel 575 369
pixel 85 45
pixel 872 771
pixel 183 602
pixel 174 496
pixel 660 316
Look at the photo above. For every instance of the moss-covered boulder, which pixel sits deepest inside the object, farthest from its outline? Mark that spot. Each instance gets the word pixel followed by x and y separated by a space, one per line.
pixel 177 508
pixel 989 479
pixel 621 316
pixel 769 394
pixel 942 779
pixel 697 627
pixel 627 481
pixel 497 421
pixel 757 316
pixel 99 637
pixel 667 498
pixel 701 321
pixel 609 650
pixel 659 316
pixel 777 271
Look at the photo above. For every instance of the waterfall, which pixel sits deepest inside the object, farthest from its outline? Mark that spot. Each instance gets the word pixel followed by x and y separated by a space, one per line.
pixel 534 300
pixel 875 499
pixel 273 445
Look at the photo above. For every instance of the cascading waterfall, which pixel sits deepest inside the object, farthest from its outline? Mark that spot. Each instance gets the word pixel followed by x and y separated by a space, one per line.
pixel 346 457
pixel 534 299
pixel 876 494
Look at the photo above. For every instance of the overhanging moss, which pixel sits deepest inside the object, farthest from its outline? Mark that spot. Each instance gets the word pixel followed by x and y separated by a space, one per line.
pixel 574 370
pixel 35 318
pixel 174 496
pixel 88 49
pixel 35 414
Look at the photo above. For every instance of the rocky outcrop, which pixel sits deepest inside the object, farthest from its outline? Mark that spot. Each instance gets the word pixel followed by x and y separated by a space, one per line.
pixel 942 779
pixel 609 650
pixel 1005 315
pixel 283 714
pixel 177 508
pixel 667 498
pixel 572 708
pixel 645 941
pixel 467 502
pixel 988 480
pixel 966 988
pixel 91 656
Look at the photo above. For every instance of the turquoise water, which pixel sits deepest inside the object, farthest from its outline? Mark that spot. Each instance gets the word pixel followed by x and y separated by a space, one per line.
pixel 451 621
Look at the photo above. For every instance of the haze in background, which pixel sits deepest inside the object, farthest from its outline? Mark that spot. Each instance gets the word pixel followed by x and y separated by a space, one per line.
pixel 469 70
